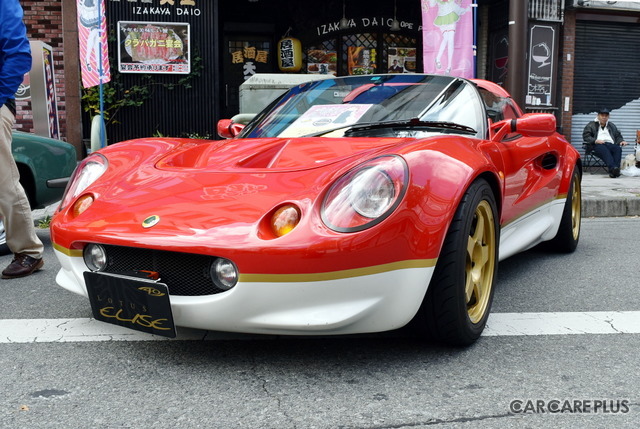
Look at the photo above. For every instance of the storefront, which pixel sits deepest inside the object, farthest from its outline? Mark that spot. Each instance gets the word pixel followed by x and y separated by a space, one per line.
pixel 223 43
pixel 371 39
pixel 606 60
pixel 185 87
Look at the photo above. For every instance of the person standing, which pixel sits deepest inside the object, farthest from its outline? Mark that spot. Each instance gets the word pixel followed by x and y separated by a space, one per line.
pixel 607 141
pixel 15 61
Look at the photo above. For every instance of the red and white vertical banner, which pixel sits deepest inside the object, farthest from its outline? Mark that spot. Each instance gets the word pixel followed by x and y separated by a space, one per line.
pixel 447 37
pixel 92 34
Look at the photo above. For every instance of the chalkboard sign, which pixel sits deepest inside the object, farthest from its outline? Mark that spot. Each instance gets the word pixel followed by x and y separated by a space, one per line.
pixel 541 65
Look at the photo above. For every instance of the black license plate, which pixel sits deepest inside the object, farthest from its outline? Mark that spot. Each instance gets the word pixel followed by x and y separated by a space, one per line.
pixel 131 302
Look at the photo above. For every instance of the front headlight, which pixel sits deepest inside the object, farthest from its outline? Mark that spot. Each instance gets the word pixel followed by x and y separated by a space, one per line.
pixel 89 170
pixel 366 195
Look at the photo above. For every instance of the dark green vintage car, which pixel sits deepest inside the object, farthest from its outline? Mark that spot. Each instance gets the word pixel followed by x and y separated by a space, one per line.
pixel 45 166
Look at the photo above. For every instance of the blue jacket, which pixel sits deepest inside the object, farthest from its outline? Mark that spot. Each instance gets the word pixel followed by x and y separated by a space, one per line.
pixel 15 52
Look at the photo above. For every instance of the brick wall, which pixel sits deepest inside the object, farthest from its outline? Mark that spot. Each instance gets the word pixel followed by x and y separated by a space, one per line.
pixel 44 23
pixel 568 66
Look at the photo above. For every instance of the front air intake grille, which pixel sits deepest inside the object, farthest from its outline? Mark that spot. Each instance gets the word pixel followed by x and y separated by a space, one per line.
pixel 183 273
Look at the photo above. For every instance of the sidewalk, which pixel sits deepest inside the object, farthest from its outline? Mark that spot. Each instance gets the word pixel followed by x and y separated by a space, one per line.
pixel 602 196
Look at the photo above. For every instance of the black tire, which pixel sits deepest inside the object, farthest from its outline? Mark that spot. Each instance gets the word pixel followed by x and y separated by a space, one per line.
pixel 468 262
pixel 566 240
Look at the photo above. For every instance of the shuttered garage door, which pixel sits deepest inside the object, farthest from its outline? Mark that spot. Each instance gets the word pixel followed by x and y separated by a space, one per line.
pixel 607 74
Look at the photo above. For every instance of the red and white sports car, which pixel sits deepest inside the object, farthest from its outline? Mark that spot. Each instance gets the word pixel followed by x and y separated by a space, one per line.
pixel 350 205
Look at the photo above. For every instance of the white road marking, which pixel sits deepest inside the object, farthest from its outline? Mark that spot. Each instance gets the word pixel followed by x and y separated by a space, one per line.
pixel 499 324
pixel 597 322
pixel 73 330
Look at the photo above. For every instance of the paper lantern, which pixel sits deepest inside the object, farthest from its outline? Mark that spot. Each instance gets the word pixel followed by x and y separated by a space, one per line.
pixel 289 54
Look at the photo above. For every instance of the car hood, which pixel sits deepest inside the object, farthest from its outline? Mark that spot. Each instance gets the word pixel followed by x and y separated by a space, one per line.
pixel 221 192
pixel 271 154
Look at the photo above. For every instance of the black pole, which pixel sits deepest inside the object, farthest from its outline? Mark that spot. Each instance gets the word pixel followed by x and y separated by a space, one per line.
pixel 517 68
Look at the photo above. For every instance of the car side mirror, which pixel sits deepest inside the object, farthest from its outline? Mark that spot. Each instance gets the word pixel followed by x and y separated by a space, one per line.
pixel 536 125
pixel 528 125
pixel 228 129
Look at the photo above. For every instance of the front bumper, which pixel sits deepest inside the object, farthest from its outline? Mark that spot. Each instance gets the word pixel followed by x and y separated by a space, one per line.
pixel 355 301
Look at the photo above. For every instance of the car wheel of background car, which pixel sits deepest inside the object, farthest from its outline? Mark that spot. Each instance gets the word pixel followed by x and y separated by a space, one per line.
pixel 4 249
pixel 566 240
pixel 458 301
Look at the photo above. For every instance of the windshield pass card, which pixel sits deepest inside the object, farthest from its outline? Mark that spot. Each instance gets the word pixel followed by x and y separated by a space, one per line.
pixel 134 303
pixel 326 117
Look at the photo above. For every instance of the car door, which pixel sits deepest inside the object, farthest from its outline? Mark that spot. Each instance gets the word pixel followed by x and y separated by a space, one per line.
pixel 530 170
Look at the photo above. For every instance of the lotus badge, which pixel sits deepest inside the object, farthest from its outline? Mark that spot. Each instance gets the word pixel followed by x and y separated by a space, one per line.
pixel 150 221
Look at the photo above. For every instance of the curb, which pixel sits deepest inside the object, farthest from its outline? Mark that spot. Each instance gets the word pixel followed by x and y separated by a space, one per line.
pixel 610 207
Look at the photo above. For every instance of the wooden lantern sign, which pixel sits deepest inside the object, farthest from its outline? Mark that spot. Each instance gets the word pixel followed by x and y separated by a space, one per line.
pixel 289 54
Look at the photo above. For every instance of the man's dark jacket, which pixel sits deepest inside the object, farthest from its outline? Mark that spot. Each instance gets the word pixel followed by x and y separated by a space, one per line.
pixel 590 133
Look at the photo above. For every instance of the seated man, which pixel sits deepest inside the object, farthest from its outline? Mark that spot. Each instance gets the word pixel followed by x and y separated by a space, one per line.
pixel 606 141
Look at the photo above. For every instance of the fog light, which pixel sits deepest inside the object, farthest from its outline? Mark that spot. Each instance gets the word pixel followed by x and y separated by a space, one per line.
pixel 95 256
pixel 224 273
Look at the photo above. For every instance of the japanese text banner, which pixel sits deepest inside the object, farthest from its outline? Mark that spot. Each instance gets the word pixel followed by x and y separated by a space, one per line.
pixel 447 34
pixel 92 35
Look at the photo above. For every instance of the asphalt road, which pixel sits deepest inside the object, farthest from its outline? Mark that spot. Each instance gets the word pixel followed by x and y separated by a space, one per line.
pixel 389 380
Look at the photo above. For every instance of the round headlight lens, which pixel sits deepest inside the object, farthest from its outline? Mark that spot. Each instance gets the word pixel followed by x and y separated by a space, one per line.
pixel 95 257
pixel 365 195
pixel 372 192
pixel 224 273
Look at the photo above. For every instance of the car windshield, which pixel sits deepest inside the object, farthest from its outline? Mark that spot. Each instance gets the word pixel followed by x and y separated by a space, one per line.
pixel 405 105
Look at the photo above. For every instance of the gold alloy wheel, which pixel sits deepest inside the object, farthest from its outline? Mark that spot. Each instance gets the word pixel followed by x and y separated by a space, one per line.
pixel 576 205
pixel 481 260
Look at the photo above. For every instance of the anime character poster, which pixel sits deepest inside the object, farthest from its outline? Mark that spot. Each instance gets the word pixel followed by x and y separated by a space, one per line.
pixel 447 31
pixel 92 34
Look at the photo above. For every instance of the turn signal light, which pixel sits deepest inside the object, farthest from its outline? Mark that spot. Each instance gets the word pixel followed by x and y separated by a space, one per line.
pixel 82 204
pixel 284 220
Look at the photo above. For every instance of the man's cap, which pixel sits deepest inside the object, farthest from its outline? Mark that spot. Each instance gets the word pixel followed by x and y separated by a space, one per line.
pixel 604 110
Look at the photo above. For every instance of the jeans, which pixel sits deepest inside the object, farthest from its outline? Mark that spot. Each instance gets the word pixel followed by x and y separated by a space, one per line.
pixel 610 153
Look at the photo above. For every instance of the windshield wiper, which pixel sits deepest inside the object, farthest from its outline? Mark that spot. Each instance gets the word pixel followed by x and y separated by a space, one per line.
pixel 404 123
pixel 411 123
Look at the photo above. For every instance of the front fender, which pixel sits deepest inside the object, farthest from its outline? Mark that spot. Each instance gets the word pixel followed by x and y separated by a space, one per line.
pixel 440 177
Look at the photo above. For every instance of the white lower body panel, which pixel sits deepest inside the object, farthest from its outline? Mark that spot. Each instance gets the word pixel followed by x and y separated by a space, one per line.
pixel 369 303
pixel 531 229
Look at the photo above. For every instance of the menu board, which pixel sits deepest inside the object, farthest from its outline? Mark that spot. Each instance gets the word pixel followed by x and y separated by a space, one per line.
pixel 153 47
pixel 322 61
pixel 361 60
pixel 401 60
